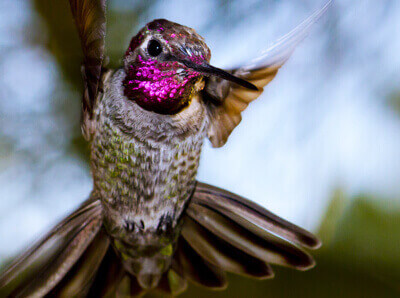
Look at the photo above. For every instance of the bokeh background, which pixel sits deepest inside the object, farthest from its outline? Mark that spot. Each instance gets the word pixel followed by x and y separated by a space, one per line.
pixel 320 147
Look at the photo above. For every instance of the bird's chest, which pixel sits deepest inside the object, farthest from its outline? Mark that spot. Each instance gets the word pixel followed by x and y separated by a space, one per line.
pixel 143 187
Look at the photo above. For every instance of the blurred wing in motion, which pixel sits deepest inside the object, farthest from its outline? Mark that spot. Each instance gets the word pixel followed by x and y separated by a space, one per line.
pixel 41 268
pixel 225 232
pixel 90 20
pixel 226 101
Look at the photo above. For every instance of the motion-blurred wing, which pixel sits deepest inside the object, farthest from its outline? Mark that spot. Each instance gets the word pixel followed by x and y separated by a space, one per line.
pixel 226 100
pixel 90 20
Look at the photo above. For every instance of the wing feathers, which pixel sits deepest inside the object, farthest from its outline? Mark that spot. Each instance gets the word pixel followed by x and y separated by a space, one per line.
pixel 90 21
pixel 225 101
pixel 282 49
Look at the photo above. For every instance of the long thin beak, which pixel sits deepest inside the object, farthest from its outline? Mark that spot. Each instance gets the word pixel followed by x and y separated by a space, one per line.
pixel 208 69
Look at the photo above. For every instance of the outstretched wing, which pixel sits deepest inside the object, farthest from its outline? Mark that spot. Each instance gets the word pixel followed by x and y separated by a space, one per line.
pixel 225 100
pixel 90 20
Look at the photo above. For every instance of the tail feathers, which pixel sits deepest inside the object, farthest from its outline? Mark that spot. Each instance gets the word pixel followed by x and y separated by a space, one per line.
pixel 75 259
pixel 40 269
pixel 189 264
pixel 251 216
pixel 109 276
pixel 113 281
pixel 77 282
pixel 269 248
pixel 225 232
pixel 223 254
pixel 172 283
pixel 221 232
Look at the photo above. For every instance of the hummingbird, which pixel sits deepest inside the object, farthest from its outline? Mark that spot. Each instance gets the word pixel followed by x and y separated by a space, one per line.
pixel 148 223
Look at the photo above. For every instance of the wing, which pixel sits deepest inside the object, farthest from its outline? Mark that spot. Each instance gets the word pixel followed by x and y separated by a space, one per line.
pixel 90 20
pixel 225 100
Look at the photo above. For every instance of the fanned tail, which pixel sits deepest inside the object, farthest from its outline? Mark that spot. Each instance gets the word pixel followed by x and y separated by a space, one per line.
pixel 222 232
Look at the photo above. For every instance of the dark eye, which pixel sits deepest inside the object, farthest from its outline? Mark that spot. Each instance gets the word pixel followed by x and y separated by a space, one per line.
pixel 154 48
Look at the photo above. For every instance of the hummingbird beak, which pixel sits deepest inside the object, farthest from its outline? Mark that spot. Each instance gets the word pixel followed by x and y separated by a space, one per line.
pixel 209 70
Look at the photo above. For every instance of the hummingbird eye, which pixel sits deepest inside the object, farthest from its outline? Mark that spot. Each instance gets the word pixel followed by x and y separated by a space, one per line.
pixel 154 48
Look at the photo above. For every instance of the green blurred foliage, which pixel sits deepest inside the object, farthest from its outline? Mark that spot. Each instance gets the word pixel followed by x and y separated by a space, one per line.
pixel 394 101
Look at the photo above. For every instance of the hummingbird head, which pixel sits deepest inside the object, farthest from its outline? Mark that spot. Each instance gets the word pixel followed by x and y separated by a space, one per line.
pixel 166 64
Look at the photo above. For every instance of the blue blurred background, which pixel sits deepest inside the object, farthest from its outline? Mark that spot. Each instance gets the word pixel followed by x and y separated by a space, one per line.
pixel 320 147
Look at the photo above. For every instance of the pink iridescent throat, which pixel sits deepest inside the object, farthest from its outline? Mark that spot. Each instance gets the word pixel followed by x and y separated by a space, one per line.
pixel 158 87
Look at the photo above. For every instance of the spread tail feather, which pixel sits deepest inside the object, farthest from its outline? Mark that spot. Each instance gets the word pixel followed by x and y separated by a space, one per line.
pixel 79 279
pixel 189 264
pixel 43 266
pixel 221 232
pixel 251 215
